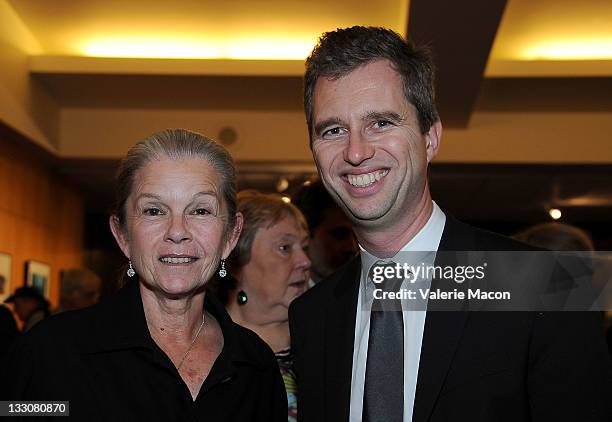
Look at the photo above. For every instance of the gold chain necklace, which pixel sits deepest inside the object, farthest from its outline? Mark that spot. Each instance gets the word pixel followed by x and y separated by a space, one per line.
pixel 178 368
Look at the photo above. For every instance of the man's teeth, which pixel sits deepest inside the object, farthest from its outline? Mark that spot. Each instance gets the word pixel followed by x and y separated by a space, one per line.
pixel 366 179
pixel 177 260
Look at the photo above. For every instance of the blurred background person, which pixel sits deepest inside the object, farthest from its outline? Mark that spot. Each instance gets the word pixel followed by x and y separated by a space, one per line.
pixel 79 288
pixel 565 237
pixel 269 268
pixel 161 348
pixel 8 325
pixel 30 306
pixel 332 242
pixel 556 237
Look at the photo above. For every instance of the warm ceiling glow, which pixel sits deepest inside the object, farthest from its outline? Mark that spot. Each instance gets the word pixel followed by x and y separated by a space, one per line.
pixel 573 49
pixel 245 48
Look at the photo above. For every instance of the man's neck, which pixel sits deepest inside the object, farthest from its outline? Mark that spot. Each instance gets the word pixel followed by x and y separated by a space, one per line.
pixel 386 242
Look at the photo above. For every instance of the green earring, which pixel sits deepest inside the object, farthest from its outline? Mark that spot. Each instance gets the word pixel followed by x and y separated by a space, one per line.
pixel 242 297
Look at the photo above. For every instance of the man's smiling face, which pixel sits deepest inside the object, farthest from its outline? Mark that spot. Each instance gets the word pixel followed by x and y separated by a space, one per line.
pixel 369 150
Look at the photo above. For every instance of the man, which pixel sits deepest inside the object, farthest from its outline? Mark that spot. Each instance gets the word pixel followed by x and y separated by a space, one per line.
pixel 332 242
pixel 8 325
pixel 79 288
pixel 30 306
pixel 373 130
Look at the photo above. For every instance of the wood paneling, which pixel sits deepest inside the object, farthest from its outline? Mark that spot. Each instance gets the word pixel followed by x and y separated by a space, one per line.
pixel 41 215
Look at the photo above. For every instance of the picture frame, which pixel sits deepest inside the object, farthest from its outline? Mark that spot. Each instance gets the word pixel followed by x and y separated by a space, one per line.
pixel 5 276
pixel 38 275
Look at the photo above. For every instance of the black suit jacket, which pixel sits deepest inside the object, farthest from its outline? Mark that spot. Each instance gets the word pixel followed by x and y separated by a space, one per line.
pixel 474 366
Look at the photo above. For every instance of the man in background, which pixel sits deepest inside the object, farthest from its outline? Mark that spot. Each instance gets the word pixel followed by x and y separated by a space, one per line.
pixel 79 288
pixel 8 325
pixel 332 241
pixel 30 306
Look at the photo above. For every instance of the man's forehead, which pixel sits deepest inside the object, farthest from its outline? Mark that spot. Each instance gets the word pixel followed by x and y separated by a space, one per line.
pixel 373 70
pixel 372 89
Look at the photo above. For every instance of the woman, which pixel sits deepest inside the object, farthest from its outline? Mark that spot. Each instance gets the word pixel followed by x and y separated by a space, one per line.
pixel 161 349
pixel 270 268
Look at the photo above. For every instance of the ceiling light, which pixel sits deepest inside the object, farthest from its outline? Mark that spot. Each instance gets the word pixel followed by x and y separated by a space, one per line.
pixel 571 49
pixel 255 47
pixel 286 199
pixel 282 184
pixel 555 213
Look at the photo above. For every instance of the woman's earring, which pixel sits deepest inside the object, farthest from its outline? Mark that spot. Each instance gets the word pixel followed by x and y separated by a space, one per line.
pixel 222 272
pixel 130 271
pixel 242 297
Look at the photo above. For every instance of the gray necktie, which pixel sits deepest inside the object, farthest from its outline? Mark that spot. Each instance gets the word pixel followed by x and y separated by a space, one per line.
pixel 383 396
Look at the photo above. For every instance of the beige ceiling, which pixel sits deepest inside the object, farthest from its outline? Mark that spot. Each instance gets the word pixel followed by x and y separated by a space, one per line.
pixel 553 38
pixel 532 38
pixel 85 79
pixel 196 28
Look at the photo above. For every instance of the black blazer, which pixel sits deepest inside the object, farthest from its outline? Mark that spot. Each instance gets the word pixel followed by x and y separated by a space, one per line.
pixel 474 366
pixel 104 362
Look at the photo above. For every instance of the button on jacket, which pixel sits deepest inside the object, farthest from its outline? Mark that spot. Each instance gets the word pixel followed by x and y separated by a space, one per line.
pixel 104 362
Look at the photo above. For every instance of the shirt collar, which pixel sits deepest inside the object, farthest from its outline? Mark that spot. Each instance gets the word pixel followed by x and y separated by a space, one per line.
pixel 426 240
pixel 120 323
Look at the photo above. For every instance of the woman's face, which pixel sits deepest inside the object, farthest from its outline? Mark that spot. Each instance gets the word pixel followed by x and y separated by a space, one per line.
pixel 278 269
pixel 175 222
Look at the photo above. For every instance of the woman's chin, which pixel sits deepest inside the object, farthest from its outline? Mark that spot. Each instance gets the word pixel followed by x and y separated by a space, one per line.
pixel 177 288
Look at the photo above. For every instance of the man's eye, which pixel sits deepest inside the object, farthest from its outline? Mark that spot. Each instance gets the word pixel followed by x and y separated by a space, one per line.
pixel 380 124
pixel 335 131
pixel 284 248
pixel 152 212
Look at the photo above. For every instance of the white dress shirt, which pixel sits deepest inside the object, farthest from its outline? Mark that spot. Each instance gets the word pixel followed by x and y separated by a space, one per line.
pixel 426 240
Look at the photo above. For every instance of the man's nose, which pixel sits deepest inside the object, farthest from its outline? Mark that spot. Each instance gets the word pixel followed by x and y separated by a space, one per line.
pixel 358 149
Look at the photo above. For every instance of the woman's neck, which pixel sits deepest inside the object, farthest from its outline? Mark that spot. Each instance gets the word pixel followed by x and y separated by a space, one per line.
pixel 172 319
pixel 274 333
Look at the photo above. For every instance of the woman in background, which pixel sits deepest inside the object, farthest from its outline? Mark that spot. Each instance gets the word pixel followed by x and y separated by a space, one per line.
pixel 161 349
pixel 269 269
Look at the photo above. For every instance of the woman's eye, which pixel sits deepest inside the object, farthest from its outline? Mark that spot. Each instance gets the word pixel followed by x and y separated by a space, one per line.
pixel 284 248
pixel 201 211
pixel 152 212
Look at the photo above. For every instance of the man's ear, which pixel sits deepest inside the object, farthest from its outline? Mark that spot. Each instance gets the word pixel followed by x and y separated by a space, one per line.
pixel 234 235
pixel 120 235
pixel 432 139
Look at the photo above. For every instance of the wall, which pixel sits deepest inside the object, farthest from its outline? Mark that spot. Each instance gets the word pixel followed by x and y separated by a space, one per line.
pixel 41 217
pixel 25 105
pixel 492 137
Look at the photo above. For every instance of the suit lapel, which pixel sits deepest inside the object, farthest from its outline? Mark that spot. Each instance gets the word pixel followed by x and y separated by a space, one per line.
pixel 339 341
pixel 443 329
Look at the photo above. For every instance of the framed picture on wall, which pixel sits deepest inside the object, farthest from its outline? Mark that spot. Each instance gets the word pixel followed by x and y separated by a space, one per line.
pixel 38 275
pixel 5 276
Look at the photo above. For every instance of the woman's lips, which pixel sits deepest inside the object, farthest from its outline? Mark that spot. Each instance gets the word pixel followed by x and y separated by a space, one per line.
pixel 178 259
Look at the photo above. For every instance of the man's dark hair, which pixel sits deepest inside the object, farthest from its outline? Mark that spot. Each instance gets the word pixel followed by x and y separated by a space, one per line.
pixel 341 51
pixel 313 199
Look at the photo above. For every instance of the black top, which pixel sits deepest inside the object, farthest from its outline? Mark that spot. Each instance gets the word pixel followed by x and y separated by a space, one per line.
pixel 473 366
pixel 104 362
pixel 8 329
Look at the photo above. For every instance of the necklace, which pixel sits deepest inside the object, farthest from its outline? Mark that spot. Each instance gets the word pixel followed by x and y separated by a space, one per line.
pixel 178 368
